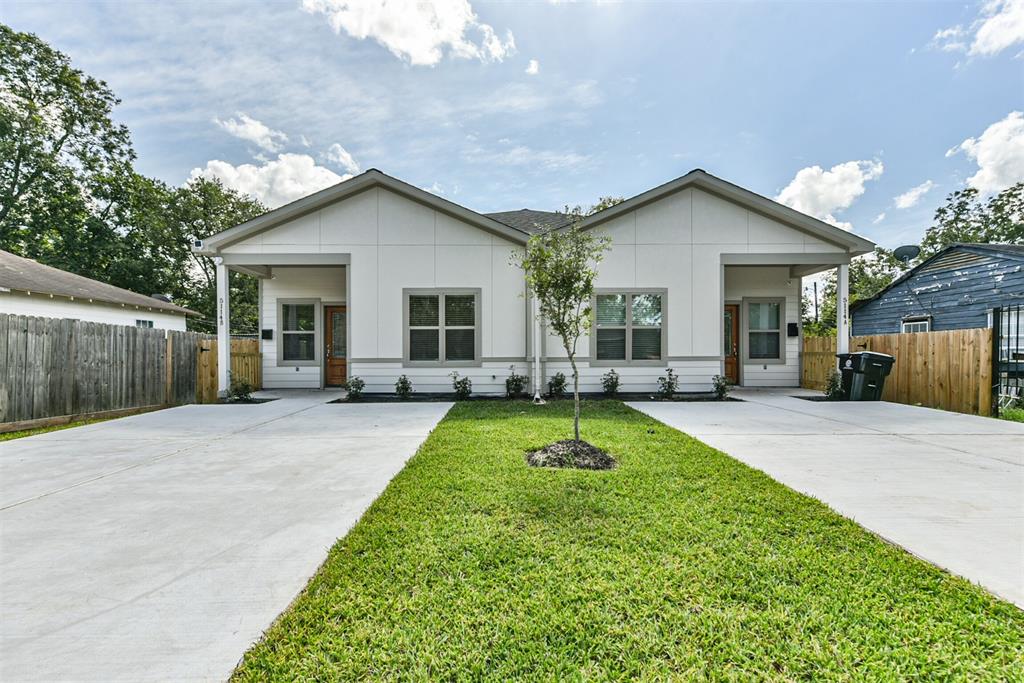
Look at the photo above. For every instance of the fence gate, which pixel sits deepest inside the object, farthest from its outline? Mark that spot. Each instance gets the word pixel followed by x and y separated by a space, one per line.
pixel 1007 357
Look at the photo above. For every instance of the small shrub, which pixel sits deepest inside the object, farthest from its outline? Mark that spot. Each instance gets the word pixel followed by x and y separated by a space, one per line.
pixel 721 387
pixel 834 386
pixel 240 390
pixel 610 383
pixel 556 385
pixel 515 384
pixel 668 384
pixel 403 388
pixel 355 387
pixel 463 386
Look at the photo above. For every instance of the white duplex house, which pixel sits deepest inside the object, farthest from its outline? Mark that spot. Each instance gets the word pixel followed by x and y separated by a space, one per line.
pixel 376 278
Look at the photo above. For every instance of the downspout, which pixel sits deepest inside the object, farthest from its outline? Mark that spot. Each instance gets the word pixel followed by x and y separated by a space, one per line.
pixel 537 376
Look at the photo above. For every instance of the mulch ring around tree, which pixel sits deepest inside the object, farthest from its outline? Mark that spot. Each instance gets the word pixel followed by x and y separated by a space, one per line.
pixel 572 454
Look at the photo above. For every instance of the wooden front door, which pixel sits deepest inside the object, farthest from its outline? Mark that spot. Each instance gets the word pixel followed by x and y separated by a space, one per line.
pixel 336 355
pixel 732 343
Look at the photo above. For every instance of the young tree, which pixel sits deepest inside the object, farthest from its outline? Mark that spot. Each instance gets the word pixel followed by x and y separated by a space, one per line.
pixel 869 274
pixel 560 268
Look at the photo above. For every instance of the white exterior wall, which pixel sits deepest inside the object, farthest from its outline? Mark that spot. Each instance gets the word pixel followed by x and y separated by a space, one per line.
pixel 323 283
pixel 677 243
pixel 45 306
pixel 395 243
pixel 749 281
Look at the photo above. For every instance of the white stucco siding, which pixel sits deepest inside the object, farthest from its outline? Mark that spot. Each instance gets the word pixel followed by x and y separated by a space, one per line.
pixel 45 306
pixel 327 284
pixel 393 244
pixel 773 282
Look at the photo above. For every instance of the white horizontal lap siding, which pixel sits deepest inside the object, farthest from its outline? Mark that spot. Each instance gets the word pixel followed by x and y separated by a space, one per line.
pixel 489 379
pixel 693 375
pixel 770 282
pixel 324 283
pixel 43 306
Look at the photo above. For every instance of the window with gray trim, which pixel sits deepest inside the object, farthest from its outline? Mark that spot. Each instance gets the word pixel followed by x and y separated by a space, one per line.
pixel 442 327
pixel 765 320
pixel 629 326
pixel 298 331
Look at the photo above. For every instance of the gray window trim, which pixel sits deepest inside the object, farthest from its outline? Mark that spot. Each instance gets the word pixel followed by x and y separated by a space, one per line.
pixel 318 313
pixel 745 329
pixel 629 292
pixel 477 327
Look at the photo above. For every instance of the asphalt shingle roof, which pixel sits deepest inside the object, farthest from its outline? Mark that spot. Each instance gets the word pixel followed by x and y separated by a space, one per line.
pixel 26 275
pixel 531 221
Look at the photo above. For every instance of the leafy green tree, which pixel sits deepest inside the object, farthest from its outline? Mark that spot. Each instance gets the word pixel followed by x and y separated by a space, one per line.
pixel 869 274
pixel 61 157
pixel 967 218
pixel 560 267
pixel 197 210
pixel 602 204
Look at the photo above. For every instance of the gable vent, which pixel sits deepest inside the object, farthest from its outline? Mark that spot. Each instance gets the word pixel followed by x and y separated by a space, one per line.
pixel 953 260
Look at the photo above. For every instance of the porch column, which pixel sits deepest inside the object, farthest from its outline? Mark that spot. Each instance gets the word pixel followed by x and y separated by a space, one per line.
pixel 843 308
pixel 223 328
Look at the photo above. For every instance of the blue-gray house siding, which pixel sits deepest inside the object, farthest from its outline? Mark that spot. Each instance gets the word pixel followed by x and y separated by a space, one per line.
pixel 955 289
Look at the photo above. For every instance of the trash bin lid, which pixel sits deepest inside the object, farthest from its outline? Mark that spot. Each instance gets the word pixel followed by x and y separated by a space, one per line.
pixel 873 356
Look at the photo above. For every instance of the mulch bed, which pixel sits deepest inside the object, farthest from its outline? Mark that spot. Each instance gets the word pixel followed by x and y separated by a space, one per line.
pixel 571 453
pixel 417 397
pixel 818 399
pixel 229 402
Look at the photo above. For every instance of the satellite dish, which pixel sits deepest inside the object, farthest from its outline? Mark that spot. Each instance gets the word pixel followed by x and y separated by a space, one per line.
pixel 907 252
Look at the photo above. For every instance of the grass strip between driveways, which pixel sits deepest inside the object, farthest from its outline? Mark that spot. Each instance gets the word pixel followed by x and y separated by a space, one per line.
pixel 681 563
pixel 21 433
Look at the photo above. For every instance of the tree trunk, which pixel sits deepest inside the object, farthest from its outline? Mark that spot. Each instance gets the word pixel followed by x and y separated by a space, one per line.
pixel 575 397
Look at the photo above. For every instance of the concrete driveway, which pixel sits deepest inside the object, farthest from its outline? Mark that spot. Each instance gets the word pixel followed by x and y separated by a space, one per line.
pixel 947 487
pixel 160 546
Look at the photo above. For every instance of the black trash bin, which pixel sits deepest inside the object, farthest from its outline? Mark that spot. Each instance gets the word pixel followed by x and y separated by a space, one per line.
pixel 866 371
pixel 847 365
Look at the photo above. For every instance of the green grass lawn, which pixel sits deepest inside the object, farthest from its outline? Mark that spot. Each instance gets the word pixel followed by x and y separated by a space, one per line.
pixel 9 436
pixel 681 563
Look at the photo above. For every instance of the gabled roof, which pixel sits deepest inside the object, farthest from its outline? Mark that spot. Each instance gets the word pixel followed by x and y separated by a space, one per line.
pixel 734 193
pixel 1013 251
pixel 25 275
pixel 533 221
pixel 360 183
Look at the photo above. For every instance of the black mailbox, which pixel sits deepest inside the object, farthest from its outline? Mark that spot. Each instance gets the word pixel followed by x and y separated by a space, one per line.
pixel 792 330
pixel 268 335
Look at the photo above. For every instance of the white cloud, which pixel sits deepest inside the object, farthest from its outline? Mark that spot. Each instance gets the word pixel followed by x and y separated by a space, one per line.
pixel 533 68
pixel 277 182
pixel 999 26
pixel 822 193
pixel 878 219
pixel 339 155
pixel 248 128
pixel 417 31
pixel 999 153
pixel 912 196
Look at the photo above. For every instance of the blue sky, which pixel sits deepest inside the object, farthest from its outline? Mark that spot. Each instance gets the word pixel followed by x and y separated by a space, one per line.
pixel 835 108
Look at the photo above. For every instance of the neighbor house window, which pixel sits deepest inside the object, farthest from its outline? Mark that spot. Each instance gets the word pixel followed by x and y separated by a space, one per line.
pixel 916 325
pixel 298 332
pixel 765 318
pixel 629 326
pixel 143 323
pixel 442 326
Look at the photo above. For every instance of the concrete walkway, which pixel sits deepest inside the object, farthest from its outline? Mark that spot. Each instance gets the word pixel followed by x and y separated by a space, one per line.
pixel 947 487
pixel 159 547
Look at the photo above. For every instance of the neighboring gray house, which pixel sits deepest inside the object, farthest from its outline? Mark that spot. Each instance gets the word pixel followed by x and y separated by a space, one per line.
pixel 28 287
pixel 956 288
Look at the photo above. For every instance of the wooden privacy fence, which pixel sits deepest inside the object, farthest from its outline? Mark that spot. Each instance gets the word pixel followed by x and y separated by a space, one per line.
pixel 246 364
pixel 951 369
pixel 54 368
